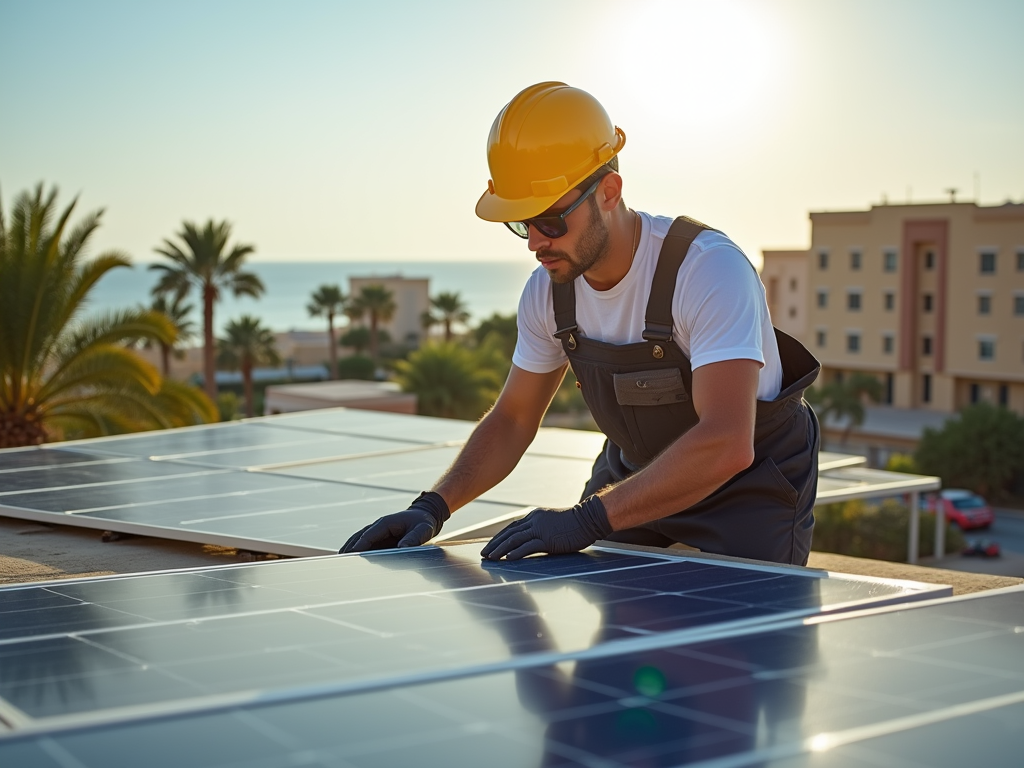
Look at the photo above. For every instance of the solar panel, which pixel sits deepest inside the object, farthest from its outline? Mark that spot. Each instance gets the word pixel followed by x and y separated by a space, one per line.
pixel 860 482
pixel 321 475
pixel 78 651
pixel 830 460
pixel 548 481
pixel 941 684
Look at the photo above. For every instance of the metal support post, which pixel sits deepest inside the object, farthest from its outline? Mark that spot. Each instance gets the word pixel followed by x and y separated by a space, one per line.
pixel 915 527
pixel 940 529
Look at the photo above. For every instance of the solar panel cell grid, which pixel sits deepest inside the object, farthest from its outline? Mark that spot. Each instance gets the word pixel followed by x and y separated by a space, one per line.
pixel 359 622
pixel 894 688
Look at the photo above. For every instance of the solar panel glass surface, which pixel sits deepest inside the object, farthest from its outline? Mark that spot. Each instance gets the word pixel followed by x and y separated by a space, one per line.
pixel 890 687
pixel 184 639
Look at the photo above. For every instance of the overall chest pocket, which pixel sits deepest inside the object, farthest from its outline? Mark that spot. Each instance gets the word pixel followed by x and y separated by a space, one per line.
pixel 662 386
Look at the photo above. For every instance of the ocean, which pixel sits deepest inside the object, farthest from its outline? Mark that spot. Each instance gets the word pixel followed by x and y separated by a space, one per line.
pixel 485 286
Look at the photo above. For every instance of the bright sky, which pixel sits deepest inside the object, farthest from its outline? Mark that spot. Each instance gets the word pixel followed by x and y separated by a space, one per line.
pixel 356 131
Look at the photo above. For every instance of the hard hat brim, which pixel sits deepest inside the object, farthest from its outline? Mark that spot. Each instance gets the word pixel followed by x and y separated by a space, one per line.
pixel 490 207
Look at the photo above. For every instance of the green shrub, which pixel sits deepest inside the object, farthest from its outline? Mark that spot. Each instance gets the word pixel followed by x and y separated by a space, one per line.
pixel 982 449
pixel 901 462
pixel 356 367
pixel 227 405
pixel 877 531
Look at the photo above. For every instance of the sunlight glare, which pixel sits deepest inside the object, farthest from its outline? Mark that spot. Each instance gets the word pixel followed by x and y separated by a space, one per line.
pixel 722 56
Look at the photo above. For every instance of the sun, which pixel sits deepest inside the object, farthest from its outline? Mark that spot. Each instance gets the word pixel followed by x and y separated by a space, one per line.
pixel 716 57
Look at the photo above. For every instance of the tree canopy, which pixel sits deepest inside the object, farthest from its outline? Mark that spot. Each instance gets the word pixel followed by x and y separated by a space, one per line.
pixel 981 450
pixel 204 261
pixel 246 344
pixel 328 301
pixel 62 374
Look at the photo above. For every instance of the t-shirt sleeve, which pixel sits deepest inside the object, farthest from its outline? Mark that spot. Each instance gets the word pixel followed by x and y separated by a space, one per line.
pixel 537 351
pixel 722 304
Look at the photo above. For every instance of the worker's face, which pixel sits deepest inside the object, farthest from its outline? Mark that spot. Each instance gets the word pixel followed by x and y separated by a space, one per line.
pixel 582 247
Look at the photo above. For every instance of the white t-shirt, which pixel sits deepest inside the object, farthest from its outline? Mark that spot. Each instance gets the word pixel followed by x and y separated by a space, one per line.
pixel 719 309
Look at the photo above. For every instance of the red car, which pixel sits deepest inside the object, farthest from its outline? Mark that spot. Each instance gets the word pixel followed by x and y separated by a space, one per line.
pixel 966 509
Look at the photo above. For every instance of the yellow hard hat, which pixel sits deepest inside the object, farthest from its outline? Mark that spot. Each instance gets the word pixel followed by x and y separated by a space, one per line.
pixel 543 143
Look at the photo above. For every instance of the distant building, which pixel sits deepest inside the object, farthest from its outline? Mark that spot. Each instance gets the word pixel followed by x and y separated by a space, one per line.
pixel 412 299
pixel 929 298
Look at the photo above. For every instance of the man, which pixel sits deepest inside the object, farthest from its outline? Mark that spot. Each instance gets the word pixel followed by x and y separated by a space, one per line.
pixel 667 331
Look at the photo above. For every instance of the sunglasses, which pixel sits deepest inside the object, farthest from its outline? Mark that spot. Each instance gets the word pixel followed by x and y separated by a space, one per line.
pixel 550 226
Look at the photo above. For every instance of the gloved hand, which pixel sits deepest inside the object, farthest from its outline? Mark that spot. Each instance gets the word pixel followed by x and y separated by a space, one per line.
pixel 553 531
pixel 417 525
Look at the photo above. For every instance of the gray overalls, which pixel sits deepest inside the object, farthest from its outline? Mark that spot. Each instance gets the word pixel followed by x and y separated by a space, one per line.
pixel 639 395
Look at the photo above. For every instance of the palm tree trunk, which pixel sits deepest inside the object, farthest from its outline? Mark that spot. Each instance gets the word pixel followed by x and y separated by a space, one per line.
pixel 334 346
pixel 209 366
pixel 165 358
pixel 447 329
pixel 373 340
pixel 247 387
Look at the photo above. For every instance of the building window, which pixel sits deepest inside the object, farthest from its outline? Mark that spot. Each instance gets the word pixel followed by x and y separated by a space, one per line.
pixel 890 301
pixel 984 305
pixel 986 349
pixel 822 298
pixel 1004 395
pixel 821 338
pixel 888 343
pixel 853 301
pixel 929 259
pixel 926 345
pixel 1020 261
pixel 975 393
pixel 988 263
pixel 926 388
pixel 855 260
pixel 823 260
pixel 926 302
pixel 792 312
pixel 1018 305
pixel 889 383
pixel 792 284
pixel 853 342
pixel 889 261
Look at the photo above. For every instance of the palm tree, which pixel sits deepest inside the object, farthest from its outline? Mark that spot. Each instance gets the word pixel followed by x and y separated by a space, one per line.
pixel 379 303
pixel 844 399
pixel 178 313
pixel 451 309
pixel 245 345
pixel 328 301
pixel 62 375
pixel 449 380
pixel 206 263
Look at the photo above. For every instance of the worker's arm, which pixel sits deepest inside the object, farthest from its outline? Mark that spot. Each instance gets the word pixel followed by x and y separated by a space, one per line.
pixel 719 446
pixel 491 453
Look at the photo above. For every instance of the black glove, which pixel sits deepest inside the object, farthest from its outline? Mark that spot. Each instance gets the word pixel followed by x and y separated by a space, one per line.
pixel 553 531
pixel 417 525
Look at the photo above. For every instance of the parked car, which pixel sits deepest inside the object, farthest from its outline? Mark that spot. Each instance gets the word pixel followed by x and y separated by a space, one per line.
pixel 965 508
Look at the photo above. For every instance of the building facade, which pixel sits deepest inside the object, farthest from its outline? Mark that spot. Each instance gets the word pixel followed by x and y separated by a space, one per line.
pixel 412 299
pixel 929 298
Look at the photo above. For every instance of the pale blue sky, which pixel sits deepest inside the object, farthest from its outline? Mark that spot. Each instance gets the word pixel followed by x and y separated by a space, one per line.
pixel 356 131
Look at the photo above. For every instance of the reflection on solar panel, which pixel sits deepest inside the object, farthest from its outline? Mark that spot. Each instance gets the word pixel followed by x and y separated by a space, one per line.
pixel 293 485
pixel 162 656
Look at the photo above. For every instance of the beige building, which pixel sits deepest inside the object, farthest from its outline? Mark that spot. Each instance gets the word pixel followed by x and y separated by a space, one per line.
pixel 929 298
pixel 412 299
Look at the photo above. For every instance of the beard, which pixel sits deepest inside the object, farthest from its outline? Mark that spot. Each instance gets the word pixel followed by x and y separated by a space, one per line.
pixel 593 246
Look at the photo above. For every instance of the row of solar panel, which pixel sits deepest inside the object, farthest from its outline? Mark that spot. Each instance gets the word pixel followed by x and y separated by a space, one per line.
pixel 301 484
pixel 431 657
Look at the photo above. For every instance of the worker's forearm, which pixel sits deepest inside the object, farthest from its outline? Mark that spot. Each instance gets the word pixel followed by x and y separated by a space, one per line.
pixel 490 454
pixel 686 472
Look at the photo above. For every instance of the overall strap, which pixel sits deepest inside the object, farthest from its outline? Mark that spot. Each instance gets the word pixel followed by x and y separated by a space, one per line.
pixel 658 319
pixel 563 297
